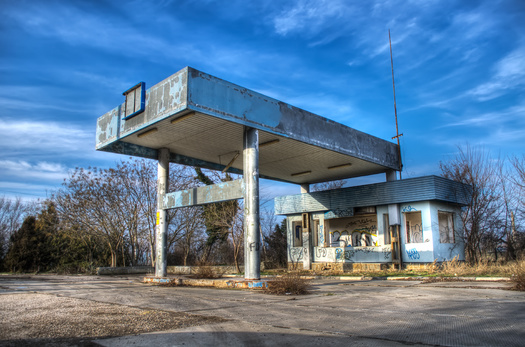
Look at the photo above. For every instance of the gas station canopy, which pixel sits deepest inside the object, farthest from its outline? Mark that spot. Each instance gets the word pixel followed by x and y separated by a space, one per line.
pixel 201 120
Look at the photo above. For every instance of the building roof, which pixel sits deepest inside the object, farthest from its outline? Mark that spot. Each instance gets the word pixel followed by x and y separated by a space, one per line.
pixel 408 190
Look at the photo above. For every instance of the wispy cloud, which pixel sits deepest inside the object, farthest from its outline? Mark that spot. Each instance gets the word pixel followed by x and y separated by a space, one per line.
pixel 308 16
pixel 489 119
pixel 508 74
pixel 41 171
pixel 113 33
pixel 37 138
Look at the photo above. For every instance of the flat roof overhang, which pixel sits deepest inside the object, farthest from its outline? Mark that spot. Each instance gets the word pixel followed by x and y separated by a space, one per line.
pixel 201 120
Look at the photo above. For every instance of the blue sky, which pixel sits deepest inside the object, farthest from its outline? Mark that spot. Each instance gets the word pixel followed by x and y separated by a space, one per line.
pixel 459 69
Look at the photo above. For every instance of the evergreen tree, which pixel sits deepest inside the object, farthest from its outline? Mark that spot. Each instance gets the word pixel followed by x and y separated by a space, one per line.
pixel 276 249
pixel 25 249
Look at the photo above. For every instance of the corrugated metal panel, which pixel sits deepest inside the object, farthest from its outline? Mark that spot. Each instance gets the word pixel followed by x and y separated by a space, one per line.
pixel 408 190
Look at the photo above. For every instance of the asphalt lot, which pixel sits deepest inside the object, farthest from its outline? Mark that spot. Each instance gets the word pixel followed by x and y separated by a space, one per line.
pixel 360 313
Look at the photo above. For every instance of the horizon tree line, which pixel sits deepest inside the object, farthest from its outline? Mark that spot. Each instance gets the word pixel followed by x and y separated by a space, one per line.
pixel 106 217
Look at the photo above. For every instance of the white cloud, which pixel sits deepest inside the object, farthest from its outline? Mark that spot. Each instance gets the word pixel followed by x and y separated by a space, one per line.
pixel 308 16
pixel 41 171
pixel 508 74
pixel 510 118
pixel 116 33
pixel 36 138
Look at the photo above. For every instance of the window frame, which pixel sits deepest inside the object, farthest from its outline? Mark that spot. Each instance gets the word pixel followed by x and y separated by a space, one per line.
pixel 297 233
pixel 409 225
pixel 451 233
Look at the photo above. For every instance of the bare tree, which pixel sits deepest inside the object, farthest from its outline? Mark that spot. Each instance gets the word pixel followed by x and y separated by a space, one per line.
pixel 193 228
pixel 12 212
pixel 518 215
pixel 481 217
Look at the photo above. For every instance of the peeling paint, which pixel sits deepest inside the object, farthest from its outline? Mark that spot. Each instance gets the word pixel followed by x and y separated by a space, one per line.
pixel 190 89
pixel 223 191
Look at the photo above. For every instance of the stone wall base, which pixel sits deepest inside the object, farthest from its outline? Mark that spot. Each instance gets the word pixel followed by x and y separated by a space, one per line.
pixel 341 267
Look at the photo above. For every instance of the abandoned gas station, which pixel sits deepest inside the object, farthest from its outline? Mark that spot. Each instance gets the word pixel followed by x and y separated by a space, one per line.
pixel 195 119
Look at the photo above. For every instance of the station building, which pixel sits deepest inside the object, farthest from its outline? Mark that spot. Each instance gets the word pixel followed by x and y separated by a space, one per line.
pixel 408 222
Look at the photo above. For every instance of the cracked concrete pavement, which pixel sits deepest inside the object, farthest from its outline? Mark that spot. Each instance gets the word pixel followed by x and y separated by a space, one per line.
pixel 361 313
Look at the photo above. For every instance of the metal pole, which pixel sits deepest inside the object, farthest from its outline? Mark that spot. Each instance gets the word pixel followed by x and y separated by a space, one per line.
pixel 252 235
pixel 395 106
pixel 162 226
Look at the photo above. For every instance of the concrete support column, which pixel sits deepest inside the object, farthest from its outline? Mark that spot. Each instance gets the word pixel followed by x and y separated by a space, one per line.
pixel 252 234
pixel 394 216
pixel 307 242
pixel 161 260
pixel 394 219
pixel 305 188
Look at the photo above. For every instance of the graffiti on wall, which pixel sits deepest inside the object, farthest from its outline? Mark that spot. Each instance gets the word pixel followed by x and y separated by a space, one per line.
pixel 296 254
pixel 358 254
pixel 387 253
pixel 413 254
pixel 353 232
pixel 339 255
pixel 338 213
pixel 324 254
pixel 321 235
pixel 409 209
pixel 364 237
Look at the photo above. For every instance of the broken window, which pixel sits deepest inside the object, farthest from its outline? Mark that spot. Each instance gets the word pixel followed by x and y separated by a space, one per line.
pixel 446 227
pixel 414 227
pixel 297 234
pixel 358 231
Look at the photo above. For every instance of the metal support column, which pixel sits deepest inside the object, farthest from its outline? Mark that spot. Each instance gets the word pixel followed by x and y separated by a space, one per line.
pixel 394 217
pixel 161 260
pixel 252 234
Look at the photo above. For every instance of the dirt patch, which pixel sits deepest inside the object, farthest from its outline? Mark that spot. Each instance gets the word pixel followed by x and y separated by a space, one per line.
pixel 29 319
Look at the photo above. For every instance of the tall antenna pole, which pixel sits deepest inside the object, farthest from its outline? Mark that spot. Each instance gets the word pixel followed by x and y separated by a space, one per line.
pixel 398 135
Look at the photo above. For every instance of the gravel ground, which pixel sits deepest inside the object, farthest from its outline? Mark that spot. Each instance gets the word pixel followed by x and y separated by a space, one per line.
pixel 30 319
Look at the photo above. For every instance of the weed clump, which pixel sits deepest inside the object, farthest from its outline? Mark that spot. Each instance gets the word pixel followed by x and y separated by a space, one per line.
pixel 518 276
pixel 205 272
pixel 289 284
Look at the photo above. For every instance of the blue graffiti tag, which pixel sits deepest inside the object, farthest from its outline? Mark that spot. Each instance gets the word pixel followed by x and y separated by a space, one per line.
pixel 413 254
pixel 338 254
pixel 408 209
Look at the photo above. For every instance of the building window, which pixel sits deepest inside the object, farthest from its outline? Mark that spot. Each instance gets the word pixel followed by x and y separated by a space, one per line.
pixel 297 234
pixel 414 227
pixel 357 231
pixel 386 230
pixel 446 227
pixel 316 233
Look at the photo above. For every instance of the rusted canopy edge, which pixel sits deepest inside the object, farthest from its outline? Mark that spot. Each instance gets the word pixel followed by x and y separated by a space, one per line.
pixel 219 192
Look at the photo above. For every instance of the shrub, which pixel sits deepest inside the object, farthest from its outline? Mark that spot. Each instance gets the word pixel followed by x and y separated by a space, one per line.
pixel 289 283
pixel 205 271
pixel 518 277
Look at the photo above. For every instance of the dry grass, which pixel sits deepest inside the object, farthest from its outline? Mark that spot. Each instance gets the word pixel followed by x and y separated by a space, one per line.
pixel 289 284
pixel 453 268
pixel 205 272
pixel 518 277
pixel 481 269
